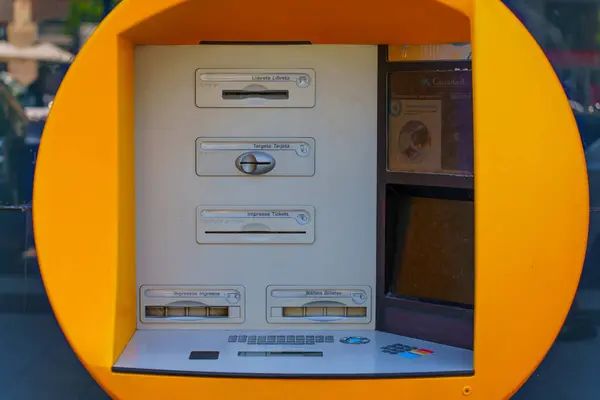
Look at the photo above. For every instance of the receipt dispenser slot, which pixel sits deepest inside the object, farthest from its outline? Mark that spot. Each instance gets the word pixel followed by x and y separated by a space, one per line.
pixel 255 225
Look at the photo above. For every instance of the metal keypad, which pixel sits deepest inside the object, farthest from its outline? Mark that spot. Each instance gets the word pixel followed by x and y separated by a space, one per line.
pixel 281 339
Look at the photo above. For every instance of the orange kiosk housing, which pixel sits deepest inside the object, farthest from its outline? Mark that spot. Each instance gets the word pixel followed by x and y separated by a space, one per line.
pixel 95 240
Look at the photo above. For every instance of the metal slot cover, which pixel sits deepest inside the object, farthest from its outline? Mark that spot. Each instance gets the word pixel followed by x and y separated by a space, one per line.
pixel 192 304
pixel 289 304
pixel 269 225
pixel 255 88
pixel 191 312
pixel 352 312
pixel 267 157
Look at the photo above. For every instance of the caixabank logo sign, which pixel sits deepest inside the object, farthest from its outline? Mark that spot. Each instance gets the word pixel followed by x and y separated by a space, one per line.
pixel 441 82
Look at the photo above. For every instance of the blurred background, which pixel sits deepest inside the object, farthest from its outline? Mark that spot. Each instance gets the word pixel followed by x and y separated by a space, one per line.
pixel 38 41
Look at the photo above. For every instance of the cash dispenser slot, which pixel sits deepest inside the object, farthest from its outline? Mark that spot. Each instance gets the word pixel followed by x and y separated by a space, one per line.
pixel 267 225
pixel 325 311
pixel 318 305
pixel 191 305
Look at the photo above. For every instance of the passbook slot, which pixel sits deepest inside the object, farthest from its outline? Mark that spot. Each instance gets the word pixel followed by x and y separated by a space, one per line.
pixel 191 305
pixel 255 88
pixel 256 225
pixel 255 94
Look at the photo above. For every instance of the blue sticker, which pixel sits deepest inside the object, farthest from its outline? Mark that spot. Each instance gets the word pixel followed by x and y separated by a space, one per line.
pixel 409 355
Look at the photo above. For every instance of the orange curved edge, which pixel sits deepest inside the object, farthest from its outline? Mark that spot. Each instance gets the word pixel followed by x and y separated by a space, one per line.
pixel 537 180
pixel 85 232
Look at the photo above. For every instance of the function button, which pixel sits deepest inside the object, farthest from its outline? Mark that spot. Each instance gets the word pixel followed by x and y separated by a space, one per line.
pixel 319 339
pixel 355 340
pixel 329 339
pixel 232 338
pixel 242 339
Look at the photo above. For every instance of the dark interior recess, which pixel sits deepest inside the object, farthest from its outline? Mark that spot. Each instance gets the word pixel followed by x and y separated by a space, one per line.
pixel 255 43
pixel 204 355
pixel 426 208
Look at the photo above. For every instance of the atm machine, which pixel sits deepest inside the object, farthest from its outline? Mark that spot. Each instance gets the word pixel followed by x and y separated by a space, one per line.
pixel 265 256
pixel 304 209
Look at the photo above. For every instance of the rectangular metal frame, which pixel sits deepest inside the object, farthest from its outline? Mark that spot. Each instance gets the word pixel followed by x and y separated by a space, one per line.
pixel 449 325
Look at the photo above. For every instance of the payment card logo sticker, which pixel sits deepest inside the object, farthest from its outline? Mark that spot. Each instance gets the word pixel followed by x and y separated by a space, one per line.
pixel 416 353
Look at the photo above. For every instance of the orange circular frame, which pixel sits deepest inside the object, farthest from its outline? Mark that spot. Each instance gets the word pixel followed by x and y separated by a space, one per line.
pixel 532 192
